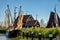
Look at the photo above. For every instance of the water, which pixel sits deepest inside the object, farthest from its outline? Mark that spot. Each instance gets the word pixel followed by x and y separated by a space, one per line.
pixel 3 37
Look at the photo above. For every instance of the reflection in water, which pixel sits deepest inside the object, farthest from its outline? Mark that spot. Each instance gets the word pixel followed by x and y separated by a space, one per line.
pixel 3 37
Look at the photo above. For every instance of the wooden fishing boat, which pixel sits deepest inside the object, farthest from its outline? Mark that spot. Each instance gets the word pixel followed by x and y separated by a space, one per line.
pixel 12 33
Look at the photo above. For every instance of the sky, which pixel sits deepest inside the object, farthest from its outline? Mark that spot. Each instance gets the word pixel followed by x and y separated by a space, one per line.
pixel 41 8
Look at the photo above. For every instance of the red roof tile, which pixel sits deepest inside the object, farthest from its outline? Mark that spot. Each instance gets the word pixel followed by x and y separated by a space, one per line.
pixel 25 17
pixel 31 22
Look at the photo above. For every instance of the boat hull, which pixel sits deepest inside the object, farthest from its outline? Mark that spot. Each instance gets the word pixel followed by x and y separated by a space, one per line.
pixel 14 33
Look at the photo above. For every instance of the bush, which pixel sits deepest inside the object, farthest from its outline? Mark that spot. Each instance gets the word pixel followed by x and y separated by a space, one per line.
pixel 44 31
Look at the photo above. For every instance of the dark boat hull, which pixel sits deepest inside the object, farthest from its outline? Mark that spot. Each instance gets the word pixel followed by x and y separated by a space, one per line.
pixel 14 33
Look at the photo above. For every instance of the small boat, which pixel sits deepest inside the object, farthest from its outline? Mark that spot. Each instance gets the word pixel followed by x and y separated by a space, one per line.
pixel 12 33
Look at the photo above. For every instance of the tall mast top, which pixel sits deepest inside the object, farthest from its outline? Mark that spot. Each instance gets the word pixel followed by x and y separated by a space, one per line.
pixel 8 6
pixel 15 13
pixel 15 9
pixel 55 8
pixel 20 11
pixel 20 8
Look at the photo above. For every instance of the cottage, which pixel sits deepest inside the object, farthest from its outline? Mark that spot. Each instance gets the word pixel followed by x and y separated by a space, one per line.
pixel 28 21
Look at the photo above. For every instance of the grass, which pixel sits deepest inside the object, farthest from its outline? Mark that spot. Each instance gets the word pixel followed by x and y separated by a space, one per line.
pixel 44 31
pixel 3 28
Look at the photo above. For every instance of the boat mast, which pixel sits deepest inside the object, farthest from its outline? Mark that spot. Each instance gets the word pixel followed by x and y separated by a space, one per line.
pixel 56 19
pixel 55 9
pixel 5 21
pixel 7 16
pixel 20 19
pixel 15 13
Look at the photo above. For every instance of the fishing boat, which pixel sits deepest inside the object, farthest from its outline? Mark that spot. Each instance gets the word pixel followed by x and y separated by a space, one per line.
pixel 11 34
pixel 13 31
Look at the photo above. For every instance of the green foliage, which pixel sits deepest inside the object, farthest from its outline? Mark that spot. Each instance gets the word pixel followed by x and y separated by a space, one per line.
pixel 44 31
pixel 3 28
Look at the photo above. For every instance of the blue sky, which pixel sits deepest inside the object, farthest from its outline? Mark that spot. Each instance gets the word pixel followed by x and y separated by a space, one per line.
pixel 42 8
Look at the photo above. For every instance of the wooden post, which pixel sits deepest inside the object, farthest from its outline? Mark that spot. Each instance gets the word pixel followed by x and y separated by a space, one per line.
pixel 39 36
pixel 32 35
pixel 50 37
